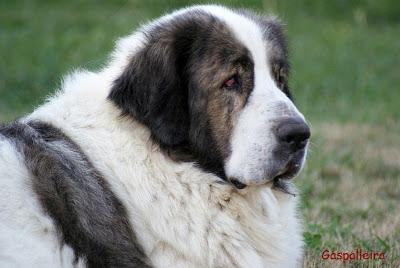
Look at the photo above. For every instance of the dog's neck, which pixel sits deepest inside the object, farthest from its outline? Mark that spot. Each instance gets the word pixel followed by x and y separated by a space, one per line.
pixel 150 183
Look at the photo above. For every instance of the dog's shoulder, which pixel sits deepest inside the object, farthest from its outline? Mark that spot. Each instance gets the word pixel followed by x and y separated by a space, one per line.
pixel 67 187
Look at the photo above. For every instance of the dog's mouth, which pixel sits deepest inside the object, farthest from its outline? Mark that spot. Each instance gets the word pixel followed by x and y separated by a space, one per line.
pixel 287 173
pixel 280 182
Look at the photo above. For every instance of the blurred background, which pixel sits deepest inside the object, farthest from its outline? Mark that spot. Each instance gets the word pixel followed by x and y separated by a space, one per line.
pixel 345 77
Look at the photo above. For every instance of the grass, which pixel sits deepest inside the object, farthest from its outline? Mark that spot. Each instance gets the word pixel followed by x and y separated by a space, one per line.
pixel 345 59
pixel 350 192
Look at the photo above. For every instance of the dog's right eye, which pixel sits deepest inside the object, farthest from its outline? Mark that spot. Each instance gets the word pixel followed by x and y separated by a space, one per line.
pixel 233 83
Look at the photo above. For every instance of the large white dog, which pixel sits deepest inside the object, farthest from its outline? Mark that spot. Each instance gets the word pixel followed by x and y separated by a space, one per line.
pixel 179 153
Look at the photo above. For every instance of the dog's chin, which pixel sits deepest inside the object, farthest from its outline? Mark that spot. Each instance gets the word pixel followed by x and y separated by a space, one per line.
pixel 288 172
pixel 282 180
pixel 279 180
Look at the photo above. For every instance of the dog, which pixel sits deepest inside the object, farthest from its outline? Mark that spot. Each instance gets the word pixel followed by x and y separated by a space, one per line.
pixel 178 153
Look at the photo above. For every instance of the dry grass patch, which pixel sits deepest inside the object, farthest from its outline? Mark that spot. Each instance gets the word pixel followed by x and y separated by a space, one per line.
pixel 351 193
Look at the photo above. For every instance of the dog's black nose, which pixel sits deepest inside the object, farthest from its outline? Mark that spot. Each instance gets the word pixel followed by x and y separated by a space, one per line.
pixel 293 132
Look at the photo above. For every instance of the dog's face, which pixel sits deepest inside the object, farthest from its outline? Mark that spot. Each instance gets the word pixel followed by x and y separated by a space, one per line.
pixel 212 82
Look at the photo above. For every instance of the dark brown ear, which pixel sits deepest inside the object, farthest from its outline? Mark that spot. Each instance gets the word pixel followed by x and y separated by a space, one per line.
pixel 153 87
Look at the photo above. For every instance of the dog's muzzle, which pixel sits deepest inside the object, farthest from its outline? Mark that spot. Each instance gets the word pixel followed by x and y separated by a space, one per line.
pixel 292 136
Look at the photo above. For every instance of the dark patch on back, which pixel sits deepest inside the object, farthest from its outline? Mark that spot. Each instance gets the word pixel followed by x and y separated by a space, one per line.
pixel 89 217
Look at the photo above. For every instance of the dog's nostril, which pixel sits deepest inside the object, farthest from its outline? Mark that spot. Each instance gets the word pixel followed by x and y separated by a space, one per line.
pixel 293 131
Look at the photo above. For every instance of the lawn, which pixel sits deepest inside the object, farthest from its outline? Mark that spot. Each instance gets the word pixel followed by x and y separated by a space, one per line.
pixel 345 78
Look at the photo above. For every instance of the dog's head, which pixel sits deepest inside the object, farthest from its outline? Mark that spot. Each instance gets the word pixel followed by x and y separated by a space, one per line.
pixel 212 82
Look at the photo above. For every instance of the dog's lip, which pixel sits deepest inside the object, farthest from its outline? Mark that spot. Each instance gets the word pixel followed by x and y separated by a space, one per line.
pixel 288 172
pixel 280 181
pixel 239 185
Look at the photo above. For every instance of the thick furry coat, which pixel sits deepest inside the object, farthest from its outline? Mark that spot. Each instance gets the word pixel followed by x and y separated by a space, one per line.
pixel 165 212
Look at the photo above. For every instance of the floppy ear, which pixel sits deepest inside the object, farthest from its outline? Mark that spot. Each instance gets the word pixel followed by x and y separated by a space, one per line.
pixel 153 88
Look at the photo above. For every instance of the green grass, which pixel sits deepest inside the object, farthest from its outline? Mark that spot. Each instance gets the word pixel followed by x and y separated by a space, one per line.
pixel 345 78
pixel 351 192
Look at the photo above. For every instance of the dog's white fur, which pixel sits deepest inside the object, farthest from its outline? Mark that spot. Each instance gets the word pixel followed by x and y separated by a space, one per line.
pixel 257 227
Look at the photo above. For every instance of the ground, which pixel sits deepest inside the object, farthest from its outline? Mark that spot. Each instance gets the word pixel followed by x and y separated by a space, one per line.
pixel 345 78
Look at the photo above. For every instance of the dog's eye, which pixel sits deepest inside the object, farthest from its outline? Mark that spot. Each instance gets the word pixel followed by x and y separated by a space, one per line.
pixel 233 83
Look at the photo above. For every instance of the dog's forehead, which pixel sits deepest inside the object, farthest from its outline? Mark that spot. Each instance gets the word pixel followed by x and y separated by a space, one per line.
pixel 244 29
pixel 250 30
pixel 261 36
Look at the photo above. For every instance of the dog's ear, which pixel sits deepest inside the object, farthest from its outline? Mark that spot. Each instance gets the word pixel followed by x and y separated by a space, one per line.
pixel 153 87
pixel 275 33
